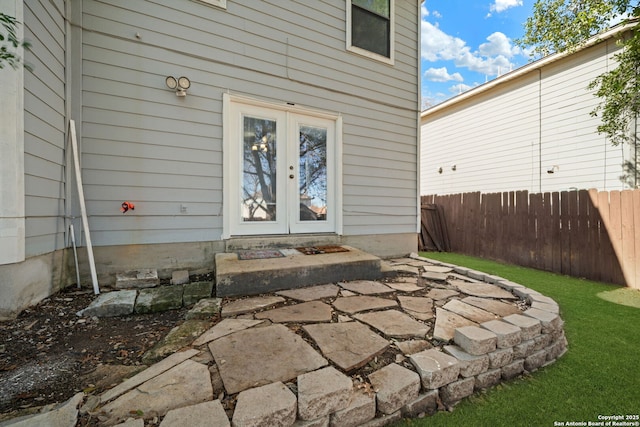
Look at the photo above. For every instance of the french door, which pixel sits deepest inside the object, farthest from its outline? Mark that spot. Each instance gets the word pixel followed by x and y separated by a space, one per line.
pixel 281 171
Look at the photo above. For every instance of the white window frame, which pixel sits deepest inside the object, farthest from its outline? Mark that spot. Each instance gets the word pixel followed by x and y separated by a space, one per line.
pixel 218 3
pixel 360 51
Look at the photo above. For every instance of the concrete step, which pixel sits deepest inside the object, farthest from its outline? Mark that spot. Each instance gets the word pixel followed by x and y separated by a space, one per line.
pixel 290 269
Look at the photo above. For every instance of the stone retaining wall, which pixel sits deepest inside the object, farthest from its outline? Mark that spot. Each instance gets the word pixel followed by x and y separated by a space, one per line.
pixel 480 357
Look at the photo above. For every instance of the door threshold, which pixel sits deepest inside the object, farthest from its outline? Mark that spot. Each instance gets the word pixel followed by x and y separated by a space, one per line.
pixel 281 241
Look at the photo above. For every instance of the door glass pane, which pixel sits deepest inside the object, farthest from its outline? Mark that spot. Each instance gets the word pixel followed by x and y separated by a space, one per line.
pixel 259 173
pixel 313 173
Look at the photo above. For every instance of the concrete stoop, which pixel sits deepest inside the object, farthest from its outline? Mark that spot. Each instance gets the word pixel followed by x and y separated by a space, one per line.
pixel 235 276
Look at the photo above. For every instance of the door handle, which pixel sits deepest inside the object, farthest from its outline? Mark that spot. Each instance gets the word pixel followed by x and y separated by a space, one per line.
pixel 291 176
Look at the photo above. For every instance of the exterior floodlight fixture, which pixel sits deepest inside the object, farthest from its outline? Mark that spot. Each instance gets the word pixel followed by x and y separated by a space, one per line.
pixel 180 85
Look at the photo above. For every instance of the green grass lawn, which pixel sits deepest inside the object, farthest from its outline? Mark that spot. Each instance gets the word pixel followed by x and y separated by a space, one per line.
pixel 599 374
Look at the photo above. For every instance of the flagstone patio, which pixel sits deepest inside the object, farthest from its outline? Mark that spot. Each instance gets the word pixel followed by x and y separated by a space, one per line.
pixel 351 353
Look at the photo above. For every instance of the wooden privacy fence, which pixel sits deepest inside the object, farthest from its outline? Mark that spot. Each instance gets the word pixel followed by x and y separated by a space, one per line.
pixel 588 234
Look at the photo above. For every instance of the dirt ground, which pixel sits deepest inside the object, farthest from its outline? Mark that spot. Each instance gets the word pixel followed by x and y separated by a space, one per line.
pixel 49 353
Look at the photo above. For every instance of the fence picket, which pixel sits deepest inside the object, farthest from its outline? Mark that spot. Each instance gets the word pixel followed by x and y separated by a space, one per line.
pixel 582 233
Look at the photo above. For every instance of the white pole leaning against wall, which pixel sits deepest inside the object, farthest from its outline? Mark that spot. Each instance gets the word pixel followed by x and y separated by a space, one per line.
pixel 83 208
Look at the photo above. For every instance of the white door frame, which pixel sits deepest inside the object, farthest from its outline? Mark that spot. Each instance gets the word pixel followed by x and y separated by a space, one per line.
pixel 287 218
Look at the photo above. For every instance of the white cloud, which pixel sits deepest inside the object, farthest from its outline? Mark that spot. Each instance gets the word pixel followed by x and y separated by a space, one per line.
pixel 436 44
pixel 502 5
pixel 498 44
pixel 491 58
pixel 442 75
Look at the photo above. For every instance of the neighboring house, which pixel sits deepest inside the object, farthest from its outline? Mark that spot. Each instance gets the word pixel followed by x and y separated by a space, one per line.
pixel 287 100
pixel 529 129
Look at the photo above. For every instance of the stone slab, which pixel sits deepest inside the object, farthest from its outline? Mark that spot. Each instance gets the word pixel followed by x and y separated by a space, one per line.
pixel 416 304
pixel 509 285
pixel 550 321
pixel 488 379
pixel 470 365
pixel 311 293
pixel 62 415
pixel 535 297
pixel 258 356
pixel 306 312
pixel 499 308
pixel 401 268
pixel 475 340
pixel 500 357
pixel 272 405
pixel 145 278
pixel 413 346
pixel 420 316
pixel 205 414
pixel 430 275
pixel 529 326
pixel 441 294
pixel 483 290
pixel 407 284
pixel 366 287
pixel 552 308
pixel 470 312
pixel 524 349
pixel 447 323
pixel 508 335
pixel 149 373
pixel 535 360
pixel 225 327
pixel 322 392
pixel 426 403
pixel 395 387
pixel 358 303
pixel 361 408
pixel 349 345
pixel 457 390
pixel 205 308
pixel 177 338
pixel 111 304
pixel 394 324
pixel 513 369
pixel 435 368
pixel 185 384
pixel 179 277
pixel 159 299
pixel 437 269
pixel 195 291
pixel 247 305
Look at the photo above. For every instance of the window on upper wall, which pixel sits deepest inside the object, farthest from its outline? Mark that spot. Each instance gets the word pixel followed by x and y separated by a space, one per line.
pixel 218 3
pixel 370 28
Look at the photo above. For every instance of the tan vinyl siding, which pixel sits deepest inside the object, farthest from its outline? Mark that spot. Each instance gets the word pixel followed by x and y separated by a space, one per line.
pixel 143 144
pixel 44 123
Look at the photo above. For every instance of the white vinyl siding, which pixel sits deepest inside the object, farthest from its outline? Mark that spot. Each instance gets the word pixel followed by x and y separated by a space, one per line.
pixel 507 137
pixel 44 124
pixel 143 144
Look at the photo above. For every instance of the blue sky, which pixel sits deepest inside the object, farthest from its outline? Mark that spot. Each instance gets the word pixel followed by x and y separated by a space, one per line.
pixel 468 42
